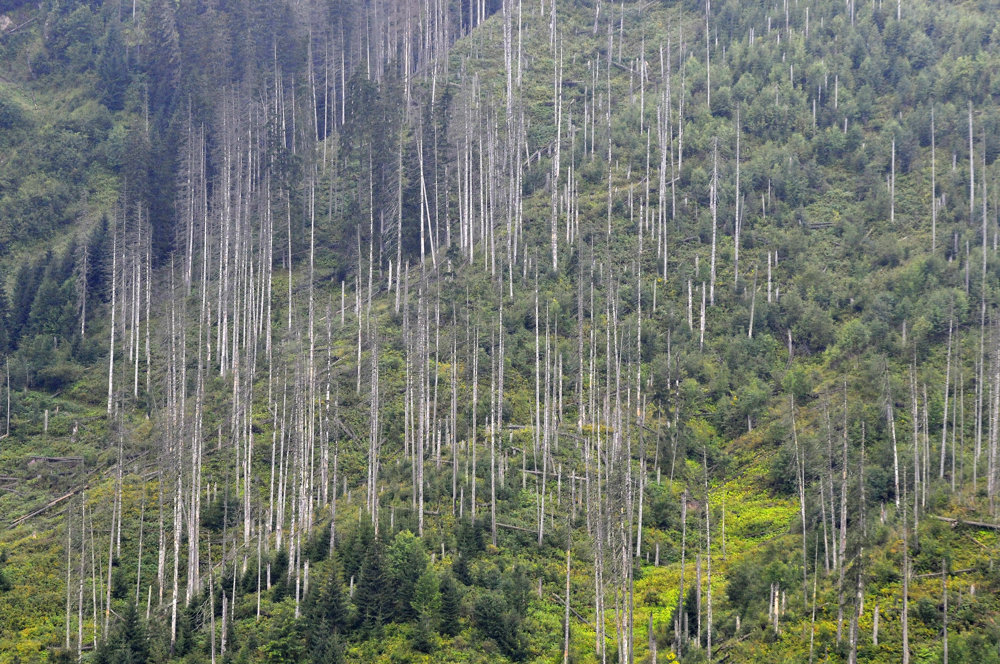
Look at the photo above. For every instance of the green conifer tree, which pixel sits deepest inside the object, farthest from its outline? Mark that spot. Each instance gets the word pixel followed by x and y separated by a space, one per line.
pixel 326 616
pixel 126 643
pixel 112 68
pixel 450 606
pixel 407 560
pixel 372 596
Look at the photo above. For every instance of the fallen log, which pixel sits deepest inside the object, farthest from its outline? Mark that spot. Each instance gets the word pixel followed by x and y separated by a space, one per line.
pixel 966 522
pixel 18 521
pixel 562 601
pixel 953 572
pixel 71 459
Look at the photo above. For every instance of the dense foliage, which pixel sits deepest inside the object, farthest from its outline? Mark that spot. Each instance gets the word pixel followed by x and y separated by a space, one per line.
pixel 688 311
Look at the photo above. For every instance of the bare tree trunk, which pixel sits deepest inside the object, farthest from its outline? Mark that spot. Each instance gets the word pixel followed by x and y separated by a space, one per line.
pixel 800 462
pixel 708 60
pixel 565 612
pixel 915 416
pixel 678 626
pixel 69 562
pixel 80 573
pixel 947 386
pixel 714 197
pixel 972 170
pixel 453 430
pixel 472 434
pixel 375 442
pixel 138 572
pixel 701 322
pixel 905 616
pixel 708 552
pixel 875 625
pixel 698 596
pixel 177 548
pixel 114 306
pixel 211 600
pixel 944 595
pixel 82 269
pixel 554 183
pixel 545 435
pixel 892 184
pixel 493 438
pixel 737 221
pixel 769 288
pixel 852 656
pixel 889 407
pixel 843 526
pixel 933 186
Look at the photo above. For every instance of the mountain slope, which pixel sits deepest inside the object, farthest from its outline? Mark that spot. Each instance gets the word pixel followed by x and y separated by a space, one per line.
pixel 684 311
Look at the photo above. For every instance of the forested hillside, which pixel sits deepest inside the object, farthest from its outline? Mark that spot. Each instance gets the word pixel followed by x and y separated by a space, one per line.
pixel 499 331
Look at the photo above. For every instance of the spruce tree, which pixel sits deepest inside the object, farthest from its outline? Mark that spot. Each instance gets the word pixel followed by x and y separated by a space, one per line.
pixel 26 285
pixel 326 616
pixel 406 561
pixel 112 68
pixel 450 606
pixel 52 311
pixel 426 603
pixel 5 584
pixel 372 596
pixel 126 643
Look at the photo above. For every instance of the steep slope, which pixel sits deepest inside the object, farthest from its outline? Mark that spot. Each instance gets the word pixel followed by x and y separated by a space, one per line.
pixel 647 331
